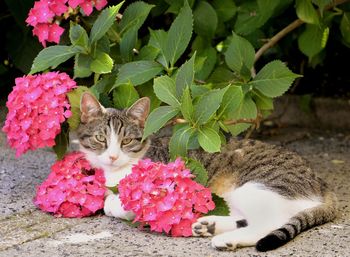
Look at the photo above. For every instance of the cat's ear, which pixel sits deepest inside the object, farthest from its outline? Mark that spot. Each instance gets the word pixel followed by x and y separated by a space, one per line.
pixel 139 111
pixel 89 107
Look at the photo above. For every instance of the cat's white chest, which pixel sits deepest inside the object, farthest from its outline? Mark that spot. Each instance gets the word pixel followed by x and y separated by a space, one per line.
pixel 114 176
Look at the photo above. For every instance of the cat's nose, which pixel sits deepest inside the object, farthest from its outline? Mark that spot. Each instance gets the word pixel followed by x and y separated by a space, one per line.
pixel 113 158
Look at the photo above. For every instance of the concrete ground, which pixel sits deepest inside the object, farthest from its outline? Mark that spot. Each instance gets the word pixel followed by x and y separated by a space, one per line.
pixel 26 231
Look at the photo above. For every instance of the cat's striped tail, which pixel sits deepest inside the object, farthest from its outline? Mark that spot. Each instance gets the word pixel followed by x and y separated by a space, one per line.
pixel 304 220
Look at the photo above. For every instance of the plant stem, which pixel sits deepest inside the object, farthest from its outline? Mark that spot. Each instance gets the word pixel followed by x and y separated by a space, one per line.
pixel 295 24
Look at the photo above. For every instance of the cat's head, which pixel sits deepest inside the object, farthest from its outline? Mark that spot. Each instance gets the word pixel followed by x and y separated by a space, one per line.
pixel 109 137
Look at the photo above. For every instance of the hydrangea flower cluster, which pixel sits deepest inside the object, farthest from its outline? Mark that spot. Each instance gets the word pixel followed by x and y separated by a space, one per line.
pixel 46 15
pixel 164 197
pixel 73 189
pixel 37 106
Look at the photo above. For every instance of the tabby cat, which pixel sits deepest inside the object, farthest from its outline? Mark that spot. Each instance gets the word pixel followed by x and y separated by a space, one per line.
pixel 272 194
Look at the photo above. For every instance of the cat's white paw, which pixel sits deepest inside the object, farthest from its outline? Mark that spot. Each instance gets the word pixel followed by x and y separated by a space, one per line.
pixel 113 207
pixel 203 227
pixel 224 242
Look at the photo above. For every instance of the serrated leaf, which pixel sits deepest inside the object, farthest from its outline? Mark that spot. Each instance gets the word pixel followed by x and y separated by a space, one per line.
pixel 74 101
pixel 158 118
pixel 185 76
pixel 198 170
pixel 134 16
pixel 103 22
pixel 103 63
pixel 78 36
pixel 205 20
pixel 53 56
pixel 179 141
pixel 82 64
pixel 186 105
pixel 179 35
pixel 225 9
pixel 345 26
pixel 158 39
pixel 221 77
pixel 240 56
pixel 306 12
pixel 164 88
pixel 209 139
pixel 61 144
pixel 247 109
pixel 230 101
pixel 311 39
pixel 273 79
pixel 137 72
pixel 262 102
pixel 124 96
pixel 207 105
pixel 221 207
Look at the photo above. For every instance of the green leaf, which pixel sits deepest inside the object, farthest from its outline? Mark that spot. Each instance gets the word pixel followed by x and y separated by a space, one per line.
pixel 78 36
pixel 207 105
pixel 230 101
pixel 137 72
pixel 103 63
pixel 306 12
pixel 186 105
pixel 205 20
pixel 134 16
pixel 74 101
pixel 179 141
pixel 209 139
pixel 198 170
pixel 148 52
pixel 262 102
pixel 322 4
pixel 82 64
pixel 225 9
pixel 127 44
pixel 53 56
pixel 185 76
pixel 124 96
pixel 158 118
pixel 310 41
pixel 221 207
pixel 221 77
pixel 345 26
pixel 247 109
pixel 103 22
pixel 273 79
pixel 179 35
pixel 209 55
pixel 61 143
pixel 158 40
pixel 147 90
pixel 164 88
pixel 240 56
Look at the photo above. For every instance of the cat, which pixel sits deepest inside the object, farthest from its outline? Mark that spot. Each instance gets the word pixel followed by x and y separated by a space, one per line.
pixel 271 193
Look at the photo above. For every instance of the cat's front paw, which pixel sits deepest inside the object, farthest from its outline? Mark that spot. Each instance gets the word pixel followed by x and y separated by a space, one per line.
pixel 113 207
pixel 203 227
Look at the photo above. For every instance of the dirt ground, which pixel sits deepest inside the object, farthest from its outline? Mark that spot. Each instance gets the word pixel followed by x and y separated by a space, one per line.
pixel 26 231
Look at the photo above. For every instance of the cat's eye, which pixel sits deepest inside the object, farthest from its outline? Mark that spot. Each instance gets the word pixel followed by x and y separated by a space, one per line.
pixel 126 141
pixel 100 138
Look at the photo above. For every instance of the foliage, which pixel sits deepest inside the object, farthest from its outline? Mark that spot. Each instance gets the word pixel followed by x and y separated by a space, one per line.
pixel 197 65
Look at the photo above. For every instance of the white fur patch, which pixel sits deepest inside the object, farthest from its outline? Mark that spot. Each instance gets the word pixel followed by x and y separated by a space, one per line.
pixel 263 207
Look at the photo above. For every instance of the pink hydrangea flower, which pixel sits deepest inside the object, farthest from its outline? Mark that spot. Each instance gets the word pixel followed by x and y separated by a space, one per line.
pixel 45 16
pixel 164 197
pixel 37 106
pixel 73 189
